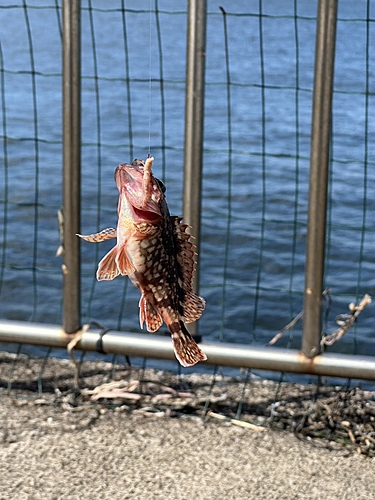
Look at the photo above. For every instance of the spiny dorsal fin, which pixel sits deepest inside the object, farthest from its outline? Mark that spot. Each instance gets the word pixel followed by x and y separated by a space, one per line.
pixel 192 304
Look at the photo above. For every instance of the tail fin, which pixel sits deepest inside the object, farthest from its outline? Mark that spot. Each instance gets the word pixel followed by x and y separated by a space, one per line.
pixel 186 350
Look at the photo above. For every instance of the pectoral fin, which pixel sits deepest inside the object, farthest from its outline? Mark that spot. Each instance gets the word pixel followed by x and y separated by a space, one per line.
pixel 115 262
pixel 105 234
pixel 123 262
pixel 107 268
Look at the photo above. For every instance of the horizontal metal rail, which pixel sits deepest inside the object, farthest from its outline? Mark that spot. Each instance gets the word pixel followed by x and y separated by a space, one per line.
pixel 153 346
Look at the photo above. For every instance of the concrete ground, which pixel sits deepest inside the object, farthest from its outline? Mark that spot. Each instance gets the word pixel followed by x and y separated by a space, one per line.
pixel 52 449
pixel 50 453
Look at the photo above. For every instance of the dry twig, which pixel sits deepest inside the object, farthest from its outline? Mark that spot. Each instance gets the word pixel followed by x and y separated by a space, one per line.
pixel 286 328
pixel 76 337
pixel 235 421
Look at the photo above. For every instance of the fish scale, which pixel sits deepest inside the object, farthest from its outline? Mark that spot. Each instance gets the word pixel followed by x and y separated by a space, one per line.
pixel 157 254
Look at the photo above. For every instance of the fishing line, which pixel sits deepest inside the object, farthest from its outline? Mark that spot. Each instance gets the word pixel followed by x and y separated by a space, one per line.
pixel 150 86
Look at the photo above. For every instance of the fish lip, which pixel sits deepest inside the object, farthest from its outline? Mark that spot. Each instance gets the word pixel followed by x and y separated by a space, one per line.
pixel 129 180
pixel 123 175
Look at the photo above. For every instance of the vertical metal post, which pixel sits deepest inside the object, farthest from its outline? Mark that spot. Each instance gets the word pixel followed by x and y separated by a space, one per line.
pixel 319 165
pixel 71 163
pixel 194 110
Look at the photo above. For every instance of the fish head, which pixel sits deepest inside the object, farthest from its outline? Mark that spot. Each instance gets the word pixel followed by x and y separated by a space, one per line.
pixel 140 192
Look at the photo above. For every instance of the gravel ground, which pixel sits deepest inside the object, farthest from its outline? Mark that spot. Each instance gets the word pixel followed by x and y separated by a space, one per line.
pixel 140 448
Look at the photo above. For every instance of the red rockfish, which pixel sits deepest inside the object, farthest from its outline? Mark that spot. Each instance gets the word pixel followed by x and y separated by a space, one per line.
pixel 155 251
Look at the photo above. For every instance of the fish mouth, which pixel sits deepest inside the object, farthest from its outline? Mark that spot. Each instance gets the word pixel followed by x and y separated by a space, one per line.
pixel 146 215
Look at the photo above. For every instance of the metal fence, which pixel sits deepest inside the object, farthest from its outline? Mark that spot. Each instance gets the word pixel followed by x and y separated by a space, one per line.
pixel 245 116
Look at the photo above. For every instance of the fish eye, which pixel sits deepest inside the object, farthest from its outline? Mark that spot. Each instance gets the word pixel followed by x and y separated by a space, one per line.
pixel 161 185
pixel 138 163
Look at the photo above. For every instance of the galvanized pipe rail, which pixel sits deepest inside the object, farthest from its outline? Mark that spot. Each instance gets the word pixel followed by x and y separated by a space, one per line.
pixel 220 354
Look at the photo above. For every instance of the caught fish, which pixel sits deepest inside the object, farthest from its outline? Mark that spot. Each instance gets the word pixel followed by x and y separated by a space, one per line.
pixel 155 251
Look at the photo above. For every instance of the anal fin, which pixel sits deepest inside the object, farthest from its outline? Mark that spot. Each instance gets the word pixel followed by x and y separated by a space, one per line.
pixel 148 315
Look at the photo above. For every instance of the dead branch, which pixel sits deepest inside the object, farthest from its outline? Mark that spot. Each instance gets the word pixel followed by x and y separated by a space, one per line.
pixel 295 320
pixel 346 321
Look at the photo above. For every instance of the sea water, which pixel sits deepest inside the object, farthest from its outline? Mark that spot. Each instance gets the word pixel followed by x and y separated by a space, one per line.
pixel 257 128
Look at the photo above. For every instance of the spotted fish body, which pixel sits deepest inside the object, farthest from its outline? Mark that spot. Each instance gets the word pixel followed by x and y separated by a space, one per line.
pixel 155 251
